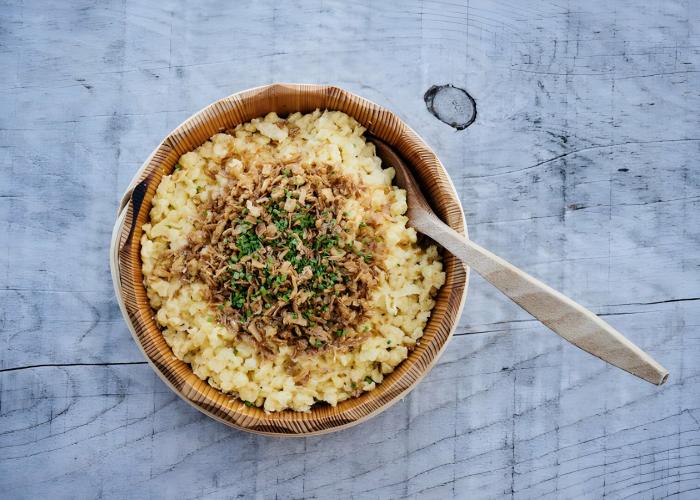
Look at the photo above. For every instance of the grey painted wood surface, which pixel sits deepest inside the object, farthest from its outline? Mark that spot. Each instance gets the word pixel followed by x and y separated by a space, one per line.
pixel 581 167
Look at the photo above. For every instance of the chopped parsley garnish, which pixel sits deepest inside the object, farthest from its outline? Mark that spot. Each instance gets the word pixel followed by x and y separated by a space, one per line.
pixel 237 299
pixel 283 263
pixel 247 243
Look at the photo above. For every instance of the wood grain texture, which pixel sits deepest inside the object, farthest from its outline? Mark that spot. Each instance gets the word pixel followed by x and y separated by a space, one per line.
pixel 580 168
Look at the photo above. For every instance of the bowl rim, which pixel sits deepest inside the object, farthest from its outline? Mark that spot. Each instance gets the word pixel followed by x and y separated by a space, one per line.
pixel 125 214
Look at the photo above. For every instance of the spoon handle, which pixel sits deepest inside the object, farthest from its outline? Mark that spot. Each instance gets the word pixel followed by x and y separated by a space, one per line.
pixel 558 312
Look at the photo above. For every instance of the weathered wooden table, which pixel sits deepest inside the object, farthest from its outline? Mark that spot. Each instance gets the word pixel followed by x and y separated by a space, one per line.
pixel 581 167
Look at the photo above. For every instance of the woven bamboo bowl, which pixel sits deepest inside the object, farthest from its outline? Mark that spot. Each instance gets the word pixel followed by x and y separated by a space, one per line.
pixel 227 113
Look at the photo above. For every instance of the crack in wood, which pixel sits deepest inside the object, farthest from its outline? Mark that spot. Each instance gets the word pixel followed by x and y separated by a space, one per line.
pixel 66 365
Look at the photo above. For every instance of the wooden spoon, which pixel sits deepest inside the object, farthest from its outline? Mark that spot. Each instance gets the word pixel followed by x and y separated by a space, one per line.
pixel 559 313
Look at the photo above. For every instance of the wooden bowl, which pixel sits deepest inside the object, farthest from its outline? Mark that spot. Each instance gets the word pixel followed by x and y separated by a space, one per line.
pixel 227 113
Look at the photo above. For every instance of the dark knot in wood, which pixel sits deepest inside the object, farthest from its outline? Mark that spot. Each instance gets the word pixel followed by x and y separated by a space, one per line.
pixel 451 105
